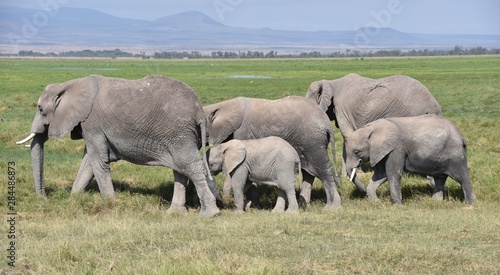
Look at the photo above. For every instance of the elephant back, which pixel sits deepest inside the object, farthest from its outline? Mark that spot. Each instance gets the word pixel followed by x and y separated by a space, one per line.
pixel 297 120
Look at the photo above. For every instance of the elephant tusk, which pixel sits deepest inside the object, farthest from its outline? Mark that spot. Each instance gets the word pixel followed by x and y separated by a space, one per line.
pixel 26 139
pixel 353 173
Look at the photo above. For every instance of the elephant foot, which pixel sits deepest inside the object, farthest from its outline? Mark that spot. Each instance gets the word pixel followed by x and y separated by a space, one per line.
pixel 210 212
pixel 303 202
pixel 332 207
pixel 277 210
pixel 177 209
pixel 292 211
pixel 248 203
pixel 397 204
pixel 373 198
pixel 110 195
pixel 468 207
pixel 438 196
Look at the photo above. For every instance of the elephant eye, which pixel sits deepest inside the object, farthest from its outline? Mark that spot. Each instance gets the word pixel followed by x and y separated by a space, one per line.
pixel 356 152
pixel 40 109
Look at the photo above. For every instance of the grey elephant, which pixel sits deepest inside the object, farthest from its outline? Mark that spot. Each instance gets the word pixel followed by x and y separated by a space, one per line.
pixel 295 119
pixel 426 145
pixel 269 160
pixel 353 101
pixel 155 120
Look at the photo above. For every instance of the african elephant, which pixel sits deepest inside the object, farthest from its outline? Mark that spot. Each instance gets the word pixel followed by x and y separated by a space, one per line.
pixel 353 101
pixel 155 120
pixel 269 160
pixel 295 119
pixel 426 145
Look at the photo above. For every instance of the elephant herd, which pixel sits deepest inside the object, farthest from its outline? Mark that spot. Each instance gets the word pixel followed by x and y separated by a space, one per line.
pixel 394 123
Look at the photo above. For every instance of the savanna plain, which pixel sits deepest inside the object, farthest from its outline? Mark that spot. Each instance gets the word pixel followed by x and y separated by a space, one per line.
pixel 134 234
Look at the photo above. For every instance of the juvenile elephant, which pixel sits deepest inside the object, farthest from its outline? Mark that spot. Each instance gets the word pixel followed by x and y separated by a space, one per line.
pixel 353 101
pixel 426 145
pixel 269 160
pixel 155 120
pixel 295 119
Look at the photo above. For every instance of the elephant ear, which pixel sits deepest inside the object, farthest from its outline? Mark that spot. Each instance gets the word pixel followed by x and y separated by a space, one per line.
pixel 223 119
pixel 73 102
pixel 234 154
pixel 321 92
pixel 383 139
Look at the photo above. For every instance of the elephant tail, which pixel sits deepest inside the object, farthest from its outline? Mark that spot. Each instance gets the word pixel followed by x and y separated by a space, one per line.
pixel 336 177
pixel 212 185
pixel 203 128
pixel 298 168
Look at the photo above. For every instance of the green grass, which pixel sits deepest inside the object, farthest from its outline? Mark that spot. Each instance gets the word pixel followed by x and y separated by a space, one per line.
pixel 84 234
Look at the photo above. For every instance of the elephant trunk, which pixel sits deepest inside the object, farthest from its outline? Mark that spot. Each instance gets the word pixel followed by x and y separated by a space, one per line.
pixel 37 162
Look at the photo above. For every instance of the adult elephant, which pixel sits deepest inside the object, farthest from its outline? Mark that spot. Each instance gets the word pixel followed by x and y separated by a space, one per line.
pixel 353 101
pixel 295 119
pixel 155 120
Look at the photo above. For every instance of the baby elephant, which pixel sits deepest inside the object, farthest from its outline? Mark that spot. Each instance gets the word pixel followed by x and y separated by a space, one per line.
pixel 269 160
pixel 427 145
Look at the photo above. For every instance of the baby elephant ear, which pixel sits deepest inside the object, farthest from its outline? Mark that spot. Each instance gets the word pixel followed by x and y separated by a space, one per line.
pixel 384 137
pixel 234 155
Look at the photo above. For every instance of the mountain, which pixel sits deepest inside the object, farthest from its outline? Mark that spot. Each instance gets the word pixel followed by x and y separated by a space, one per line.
pixel 77 27
pixel 187 19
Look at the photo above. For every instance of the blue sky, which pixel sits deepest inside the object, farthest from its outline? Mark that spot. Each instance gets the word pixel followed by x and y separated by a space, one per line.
pixel 413 16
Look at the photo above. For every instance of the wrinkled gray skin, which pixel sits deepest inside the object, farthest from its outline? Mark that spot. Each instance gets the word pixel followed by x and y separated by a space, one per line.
pixel 425 145
pixel 151 121
pixel 295 119
pixel 269 160
pixel 353 101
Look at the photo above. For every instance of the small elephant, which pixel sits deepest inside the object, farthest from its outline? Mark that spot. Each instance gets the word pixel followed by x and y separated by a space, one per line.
pixel 155 120
pixel 427 145
pixel 295 119
pixel 269 160
pixel 353 101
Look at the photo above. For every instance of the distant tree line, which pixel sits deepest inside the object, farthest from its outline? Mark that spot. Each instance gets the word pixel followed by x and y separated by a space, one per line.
pixel 457 50
pixel 85 53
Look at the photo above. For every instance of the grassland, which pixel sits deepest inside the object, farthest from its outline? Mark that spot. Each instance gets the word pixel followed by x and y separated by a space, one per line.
pixel 84 234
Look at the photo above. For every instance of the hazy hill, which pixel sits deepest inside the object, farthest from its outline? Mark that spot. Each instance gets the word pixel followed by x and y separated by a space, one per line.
pixel 196 31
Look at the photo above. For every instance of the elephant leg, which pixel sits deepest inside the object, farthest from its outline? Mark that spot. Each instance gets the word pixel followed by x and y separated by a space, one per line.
pixel 238 198
pixel 84 176
pixel 469 195
pixel 333 200
pixel 395 189
pixel 188 162
pixel 377 179
pixel 371 188
pixel 438 193
pixel 98 156
pixel 394 165
pixel 460 173
pixel 103 178
pixel 306 188
pixel 238 179
pixel 207 198
pixel 251 193
pixel 178 204
pixel 293 206
pixel 280 201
